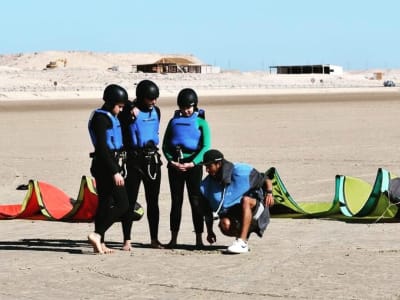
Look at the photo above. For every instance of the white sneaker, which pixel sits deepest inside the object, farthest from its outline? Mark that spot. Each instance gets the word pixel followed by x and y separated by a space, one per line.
pixel 238 246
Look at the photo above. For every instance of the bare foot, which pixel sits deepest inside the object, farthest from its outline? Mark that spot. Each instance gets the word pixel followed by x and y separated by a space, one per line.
pixel 156 244
pixel 127 246
pixel 95 241
pixel 106 250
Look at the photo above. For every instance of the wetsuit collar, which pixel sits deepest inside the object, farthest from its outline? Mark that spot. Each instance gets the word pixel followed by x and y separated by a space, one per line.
pixel 225 173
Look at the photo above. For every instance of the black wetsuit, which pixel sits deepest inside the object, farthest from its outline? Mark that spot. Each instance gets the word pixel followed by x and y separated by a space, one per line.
pixel 143 165
pixel 113 200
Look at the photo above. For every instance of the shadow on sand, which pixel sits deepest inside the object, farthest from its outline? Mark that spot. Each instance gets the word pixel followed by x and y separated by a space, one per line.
pixel 81 246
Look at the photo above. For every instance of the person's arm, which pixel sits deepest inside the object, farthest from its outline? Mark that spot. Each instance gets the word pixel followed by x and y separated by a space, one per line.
pixel 269 197
pixel 166 143
pixel 125 118
pixel 259 180
pixel 211 237
pixel 205 145
pixel 204 208
pixel 205 140
pixel 100 125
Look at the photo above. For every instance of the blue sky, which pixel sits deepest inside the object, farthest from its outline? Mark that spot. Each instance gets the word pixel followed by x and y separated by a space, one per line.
pixel 241 35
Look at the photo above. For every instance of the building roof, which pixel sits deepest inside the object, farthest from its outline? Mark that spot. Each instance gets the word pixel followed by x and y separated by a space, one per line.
pixel 174 60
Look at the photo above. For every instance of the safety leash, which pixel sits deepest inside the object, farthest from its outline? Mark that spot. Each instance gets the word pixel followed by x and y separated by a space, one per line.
pixel 221 202
pixel 154 176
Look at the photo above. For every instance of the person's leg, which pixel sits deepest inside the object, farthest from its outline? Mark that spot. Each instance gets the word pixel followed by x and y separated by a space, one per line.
pixel 193 179
pixel 119 207
pixel 229 223
pixel 132 185
pixel 228 227
pixel 103 186
pixel 176 185
pixel 240 244
pixel 95 240
pixel 247 204
pixel 113 203
pixel 152 191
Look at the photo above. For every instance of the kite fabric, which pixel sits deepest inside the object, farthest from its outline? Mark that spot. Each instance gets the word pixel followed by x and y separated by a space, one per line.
pixel 46 202
pixel 354 199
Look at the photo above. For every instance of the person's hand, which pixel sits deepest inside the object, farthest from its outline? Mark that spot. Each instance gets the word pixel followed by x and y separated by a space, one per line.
pixel 211 238
pixel 178 166
pixel 135 112
pixel 118 179
pixel 182 167
pixel 187 166
pixel 175 164
pixel 269 200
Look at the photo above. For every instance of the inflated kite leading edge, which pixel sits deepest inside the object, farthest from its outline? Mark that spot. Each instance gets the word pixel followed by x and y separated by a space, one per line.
pixel 46 202
pixel 354 199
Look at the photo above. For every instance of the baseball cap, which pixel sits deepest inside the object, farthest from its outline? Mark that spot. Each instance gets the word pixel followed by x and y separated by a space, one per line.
pixel 212 156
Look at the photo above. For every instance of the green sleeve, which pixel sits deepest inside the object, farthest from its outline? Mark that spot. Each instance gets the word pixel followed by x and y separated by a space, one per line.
pixel 205 140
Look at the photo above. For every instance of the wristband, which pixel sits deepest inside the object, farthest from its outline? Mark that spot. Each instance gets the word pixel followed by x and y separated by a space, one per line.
pixel 268 191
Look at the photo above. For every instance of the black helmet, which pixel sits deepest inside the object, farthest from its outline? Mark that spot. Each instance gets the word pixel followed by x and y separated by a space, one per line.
pixel 147 89
pixel 187 97
pixel 114 94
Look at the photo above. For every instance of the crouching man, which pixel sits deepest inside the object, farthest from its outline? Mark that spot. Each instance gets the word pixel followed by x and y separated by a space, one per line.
pixel 239 196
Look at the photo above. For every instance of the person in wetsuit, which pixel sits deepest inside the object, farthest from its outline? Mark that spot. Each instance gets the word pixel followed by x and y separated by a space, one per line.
pixel 140 126
pixel 186 139
pixel 105 132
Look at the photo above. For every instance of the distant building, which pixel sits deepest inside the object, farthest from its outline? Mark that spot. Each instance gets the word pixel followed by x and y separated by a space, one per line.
pixel 175 65
pixel 308 69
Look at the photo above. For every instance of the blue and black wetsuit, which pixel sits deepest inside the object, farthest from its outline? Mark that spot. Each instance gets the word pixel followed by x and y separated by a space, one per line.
pixel 141 138
pixel 186 139
pixel 106 136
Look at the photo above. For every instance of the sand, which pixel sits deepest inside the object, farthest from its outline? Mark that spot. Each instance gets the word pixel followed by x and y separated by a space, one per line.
pixel 310 130
pixel 309 138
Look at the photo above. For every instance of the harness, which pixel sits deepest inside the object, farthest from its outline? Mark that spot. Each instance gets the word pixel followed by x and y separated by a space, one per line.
pixel 120 157
pixel 144 137
pixel 146 160
pixel 151 158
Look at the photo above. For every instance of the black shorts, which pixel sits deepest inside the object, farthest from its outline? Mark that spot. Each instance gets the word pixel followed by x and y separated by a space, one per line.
pixel 259 224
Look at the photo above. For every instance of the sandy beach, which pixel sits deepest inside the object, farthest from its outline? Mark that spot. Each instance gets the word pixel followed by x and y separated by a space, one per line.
pixel 309 138
pixel 309 130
